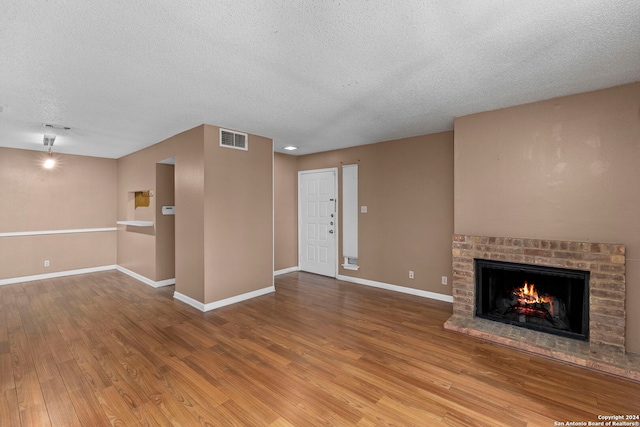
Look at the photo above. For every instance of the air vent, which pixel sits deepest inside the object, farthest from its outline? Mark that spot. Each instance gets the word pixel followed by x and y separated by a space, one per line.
pixel 49 139
pixel 233 139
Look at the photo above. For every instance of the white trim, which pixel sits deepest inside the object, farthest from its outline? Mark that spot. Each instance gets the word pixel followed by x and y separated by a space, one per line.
pixel 136 223
pixel 167 282
pixel 396 288
pixel 350 212
pixel 189 301
pixel 56 274
pixel 145 280
pixel 336 177
pixel 224 302
pixel 286 270
pixel 45 232
pixel 136 276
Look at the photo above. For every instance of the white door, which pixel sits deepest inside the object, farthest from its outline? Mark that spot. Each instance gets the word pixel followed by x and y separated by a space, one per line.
pixel 317 221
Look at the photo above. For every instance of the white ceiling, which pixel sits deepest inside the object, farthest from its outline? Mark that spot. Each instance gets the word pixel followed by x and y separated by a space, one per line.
pixel 316 74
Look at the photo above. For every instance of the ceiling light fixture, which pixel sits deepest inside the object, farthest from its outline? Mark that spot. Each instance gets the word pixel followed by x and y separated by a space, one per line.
pixel 50 162
pixel 48 141
pixel 290 148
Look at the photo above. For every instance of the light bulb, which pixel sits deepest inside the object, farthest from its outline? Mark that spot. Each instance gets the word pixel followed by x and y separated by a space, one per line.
pixel 49 163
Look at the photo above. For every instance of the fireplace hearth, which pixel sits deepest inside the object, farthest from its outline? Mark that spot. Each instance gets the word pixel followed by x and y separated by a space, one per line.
pixel 600 342
pixel 545 299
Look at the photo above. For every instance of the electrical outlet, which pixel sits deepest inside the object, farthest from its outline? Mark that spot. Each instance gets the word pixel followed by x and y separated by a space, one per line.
pixel 46 263
pixel 410 274
pixel 444 280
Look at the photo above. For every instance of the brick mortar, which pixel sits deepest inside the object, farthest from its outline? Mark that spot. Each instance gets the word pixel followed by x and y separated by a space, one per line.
pixel 605 262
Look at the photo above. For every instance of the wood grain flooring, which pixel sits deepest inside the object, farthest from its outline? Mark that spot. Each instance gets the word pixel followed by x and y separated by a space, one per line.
pixel 103 349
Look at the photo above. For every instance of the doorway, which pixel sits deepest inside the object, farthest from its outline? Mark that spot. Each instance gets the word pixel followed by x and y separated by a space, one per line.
pixel 318 221
pixel 165 222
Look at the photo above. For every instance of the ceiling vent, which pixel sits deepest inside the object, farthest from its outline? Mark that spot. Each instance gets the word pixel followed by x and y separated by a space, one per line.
pixel 233 139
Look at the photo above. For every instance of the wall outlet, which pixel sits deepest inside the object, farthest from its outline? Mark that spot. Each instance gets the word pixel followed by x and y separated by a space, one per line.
pixel 410 274
pixel 444 280
pixel 46 263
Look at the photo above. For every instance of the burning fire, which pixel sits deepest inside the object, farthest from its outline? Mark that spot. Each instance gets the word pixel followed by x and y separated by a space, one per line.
pixel 528 295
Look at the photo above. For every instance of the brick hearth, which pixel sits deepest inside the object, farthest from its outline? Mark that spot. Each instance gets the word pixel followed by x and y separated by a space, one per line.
pixel 605 350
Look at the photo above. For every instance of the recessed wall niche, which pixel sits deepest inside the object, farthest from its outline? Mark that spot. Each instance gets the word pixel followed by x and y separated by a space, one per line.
pixel 140 205
pixel 141 199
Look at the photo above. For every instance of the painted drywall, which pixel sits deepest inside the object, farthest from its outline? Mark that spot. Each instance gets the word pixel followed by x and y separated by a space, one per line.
pixel 136 245
pixel 238 222
pixel 224 214
pixel 165 224
pixel 78 193
pixel 285 173
pixel 566 169
pixel 407 187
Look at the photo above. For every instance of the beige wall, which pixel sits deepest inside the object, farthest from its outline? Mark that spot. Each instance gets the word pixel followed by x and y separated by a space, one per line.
pixel 224 215
pixel 188 150
pixel 407 187
pixel 137 245
pixel 79 193
pixel 285 173
pixel 238 221
pixel 165 224
pixel 565 169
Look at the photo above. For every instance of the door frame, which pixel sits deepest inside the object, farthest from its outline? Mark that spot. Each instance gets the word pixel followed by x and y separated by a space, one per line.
pixel 336 229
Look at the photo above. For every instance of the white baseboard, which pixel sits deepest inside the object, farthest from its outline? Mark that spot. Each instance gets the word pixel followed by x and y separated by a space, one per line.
pixel 286 270
pixel 145 280
pixel 56 274
pixel 396 288
pixel 167 282
pixel 224 302
pixel 188 300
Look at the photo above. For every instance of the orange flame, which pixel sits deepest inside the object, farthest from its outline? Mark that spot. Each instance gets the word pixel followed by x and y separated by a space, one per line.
pixel 528 294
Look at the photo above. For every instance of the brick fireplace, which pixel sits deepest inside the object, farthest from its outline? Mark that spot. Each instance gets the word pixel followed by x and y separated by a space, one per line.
pixel 605 349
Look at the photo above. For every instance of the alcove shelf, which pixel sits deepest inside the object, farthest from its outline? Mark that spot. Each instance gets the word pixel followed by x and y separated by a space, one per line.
pixel 136 223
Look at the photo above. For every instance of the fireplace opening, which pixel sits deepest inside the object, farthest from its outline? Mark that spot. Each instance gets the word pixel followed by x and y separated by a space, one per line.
pixel 546 299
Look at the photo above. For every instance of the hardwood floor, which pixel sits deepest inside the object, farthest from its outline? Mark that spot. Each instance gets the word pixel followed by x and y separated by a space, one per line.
pixel 104 349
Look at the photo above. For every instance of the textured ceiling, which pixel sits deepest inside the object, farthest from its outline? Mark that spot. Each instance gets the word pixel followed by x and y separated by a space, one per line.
pixel 316 74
